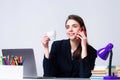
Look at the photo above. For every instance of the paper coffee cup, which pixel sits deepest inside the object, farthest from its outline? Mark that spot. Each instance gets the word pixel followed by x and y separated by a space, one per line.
pixel 51 35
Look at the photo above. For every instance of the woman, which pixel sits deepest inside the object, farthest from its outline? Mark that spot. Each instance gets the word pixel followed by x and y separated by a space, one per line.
pixel 72 57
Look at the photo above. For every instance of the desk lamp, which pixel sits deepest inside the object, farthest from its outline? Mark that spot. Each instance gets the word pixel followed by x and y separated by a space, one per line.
pixel 103 54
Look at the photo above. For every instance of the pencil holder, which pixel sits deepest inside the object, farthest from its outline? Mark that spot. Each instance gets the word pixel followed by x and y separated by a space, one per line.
pixel 11 72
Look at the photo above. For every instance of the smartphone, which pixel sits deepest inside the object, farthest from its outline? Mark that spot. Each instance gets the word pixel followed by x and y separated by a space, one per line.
pixel 84 33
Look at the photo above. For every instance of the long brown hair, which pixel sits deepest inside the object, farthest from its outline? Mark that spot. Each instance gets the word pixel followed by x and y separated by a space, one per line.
pixel 77 52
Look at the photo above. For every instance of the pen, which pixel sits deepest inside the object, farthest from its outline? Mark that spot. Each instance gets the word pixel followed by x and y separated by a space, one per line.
pixel 16 60
pixel 10 62
pixel 8 59
pixel 20 60
pixel 23 61
pixel 5 60
pixel 1 61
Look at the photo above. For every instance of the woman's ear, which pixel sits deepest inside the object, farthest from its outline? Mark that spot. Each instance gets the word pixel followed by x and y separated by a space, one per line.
pixel 84 30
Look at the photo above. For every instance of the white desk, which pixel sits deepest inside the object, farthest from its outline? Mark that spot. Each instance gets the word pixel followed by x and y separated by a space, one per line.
pixel 52 79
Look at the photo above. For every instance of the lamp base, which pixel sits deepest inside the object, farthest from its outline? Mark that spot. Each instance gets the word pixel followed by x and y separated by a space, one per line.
pixel 111 77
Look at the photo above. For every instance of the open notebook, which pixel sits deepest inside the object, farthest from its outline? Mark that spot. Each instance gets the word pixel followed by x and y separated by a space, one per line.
pixel 29 70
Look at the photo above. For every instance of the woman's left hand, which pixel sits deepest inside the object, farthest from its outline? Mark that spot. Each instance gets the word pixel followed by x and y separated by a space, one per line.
pixel 83 37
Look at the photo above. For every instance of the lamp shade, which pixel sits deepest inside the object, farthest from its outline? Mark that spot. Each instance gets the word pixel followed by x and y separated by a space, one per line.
pixel 104 52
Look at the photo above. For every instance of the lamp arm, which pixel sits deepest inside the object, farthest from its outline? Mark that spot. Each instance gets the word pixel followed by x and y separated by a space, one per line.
pixel 110 62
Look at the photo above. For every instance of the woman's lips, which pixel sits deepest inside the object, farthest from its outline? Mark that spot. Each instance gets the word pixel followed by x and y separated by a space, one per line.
pixel 71 34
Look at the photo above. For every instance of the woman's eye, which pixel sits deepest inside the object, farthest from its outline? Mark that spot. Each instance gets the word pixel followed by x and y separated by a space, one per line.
pixel 74 26
pixel 67 27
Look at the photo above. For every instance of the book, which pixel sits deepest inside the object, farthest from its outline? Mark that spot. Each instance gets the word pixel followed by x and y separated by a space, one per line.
pixel 96 78
pixel 99 74
pixel 100 67
pixel 98 71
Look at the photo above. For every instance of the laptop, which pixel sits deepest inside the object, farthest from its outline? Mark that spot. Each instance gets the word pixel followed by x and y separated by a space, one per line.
pixel 29 70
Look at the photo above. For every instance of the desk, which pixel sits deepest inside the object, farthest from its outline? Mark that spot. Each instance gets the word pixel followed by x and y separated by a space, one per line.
pixel 52 79
pixel 57 79
pixel 60 79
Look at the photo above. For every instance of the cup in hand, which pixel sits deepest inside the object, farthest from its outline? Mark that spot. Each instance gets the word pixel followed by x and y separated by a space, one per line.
pixel 51 35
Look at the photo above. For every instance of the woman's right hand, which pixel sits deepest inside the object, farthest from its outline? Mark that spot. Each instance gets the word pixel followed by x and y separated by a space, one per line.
pixel 45 41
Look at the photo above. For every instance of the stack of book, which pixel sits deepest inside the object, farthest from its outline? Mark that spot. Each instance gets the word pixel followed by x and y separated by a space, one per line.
pixel 99 71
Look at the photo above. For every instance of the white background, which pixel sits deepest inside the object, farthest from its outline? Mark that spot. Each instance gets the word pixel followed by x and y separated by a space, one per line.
pixel 24 22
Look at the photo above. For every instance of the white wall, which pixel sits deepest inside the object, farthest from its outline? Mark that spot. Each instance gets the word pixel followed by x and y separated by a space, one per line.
pixel 23 22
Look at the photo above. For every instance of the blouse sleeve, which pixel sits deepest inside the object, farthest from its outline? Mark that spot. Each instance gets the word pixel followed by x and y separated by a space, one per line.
pixel 88 63
pixel 49 65
pixel 46 67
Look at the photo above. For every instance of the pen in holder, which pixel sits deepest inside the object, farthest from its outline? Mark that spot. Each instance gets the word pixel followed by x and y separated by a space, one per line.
pixel 11 67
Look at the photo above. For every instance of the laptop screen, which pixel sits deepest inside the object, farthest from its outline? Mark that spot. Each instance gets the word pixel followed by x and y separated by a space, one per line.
pixel 29 64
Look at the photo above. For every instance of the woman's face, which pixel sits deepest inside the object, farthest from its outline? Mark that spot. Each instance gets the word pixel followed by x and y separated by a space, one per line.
pixel 72 28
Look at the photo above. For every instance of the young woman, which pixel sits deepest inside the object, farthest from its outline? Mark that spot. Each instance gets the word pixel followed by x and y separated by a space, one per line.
pixel 72 57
